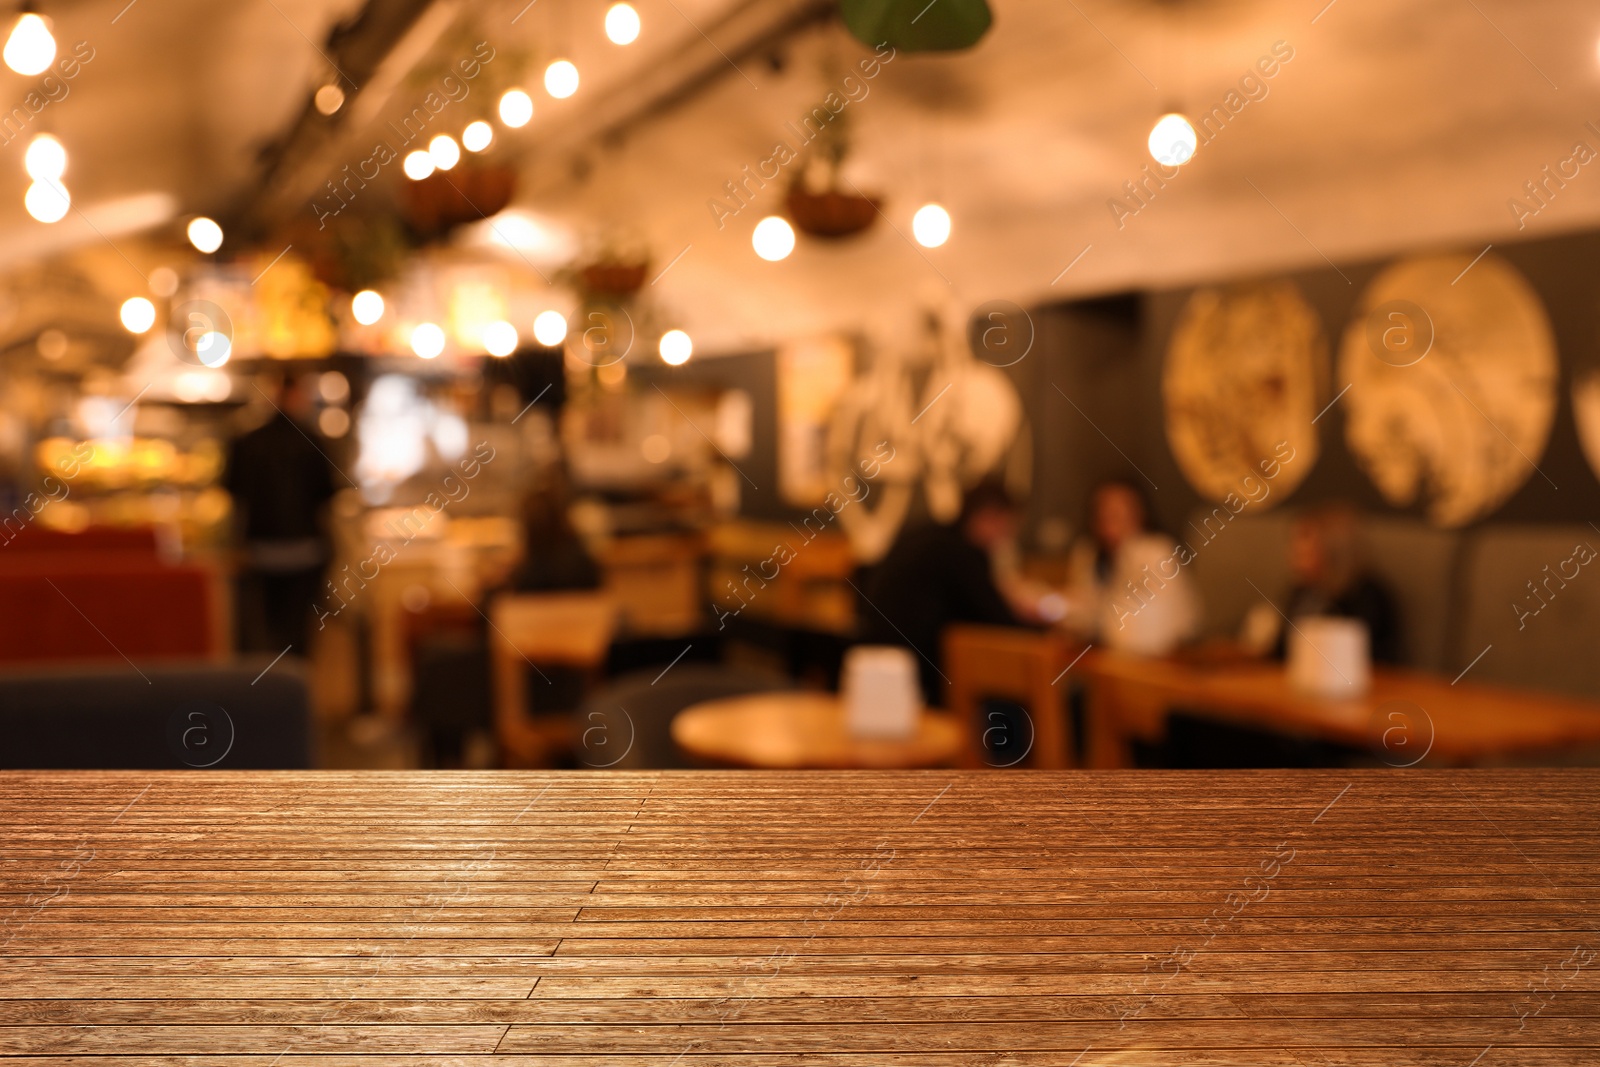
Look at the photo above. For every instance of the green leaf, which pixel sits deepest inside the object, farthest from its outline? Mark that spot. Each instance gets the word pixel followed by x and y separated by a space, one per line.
pixel 917 25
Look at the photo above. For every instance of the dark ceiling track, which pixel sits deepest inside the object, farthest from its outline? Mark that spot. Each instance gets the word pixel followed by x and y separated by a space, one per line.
pixel 356 48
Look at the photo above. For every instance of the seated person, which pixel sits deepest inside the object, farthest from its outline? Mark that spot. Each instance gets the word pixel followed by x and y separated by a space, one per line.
pixel 936 575
pixel 1330 579
pixel 1127 587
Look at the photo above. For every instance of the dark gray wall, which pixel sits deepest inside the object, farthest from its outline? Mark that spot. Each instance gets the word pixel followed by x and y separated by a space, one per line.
pixel 1116 381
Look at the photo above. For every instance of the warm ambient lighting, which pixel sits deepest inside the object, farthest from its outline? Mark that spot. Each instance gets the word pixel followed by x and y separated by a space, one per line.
pixel 516 108
pixel 47 201
pixel 30 49
pixel 329 98
pixel 773 238
pixel 477 135
pixel 205 234
pixel 444 151
pixel 931 225
pixel 622 24
pixel 1172 140
pixel 427 340
pixel 367 307
pixel 46 159
pixel 500 338
pixel 213 348
pixel 676 348
pixel 138 314
pixel 418 165
pixel 550 328
pixel 561 79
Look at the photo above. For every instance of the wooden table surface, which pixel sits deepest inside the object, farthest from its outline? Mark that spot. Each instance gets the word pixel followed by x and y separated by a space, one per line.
pixel 746 919
pixel 796 730
pixel 1405 717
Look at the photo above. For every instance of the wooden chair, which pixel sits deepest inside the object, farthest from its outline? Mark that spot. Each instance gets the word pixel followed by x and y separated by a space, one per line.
pixel 999 662
pixel 544 629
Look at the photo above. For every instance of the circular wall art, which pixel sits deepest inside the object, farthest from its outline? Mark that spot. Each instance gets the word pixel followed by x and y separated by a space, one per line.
pixel 1586 413
pixel 1451 367
pixel 1244 374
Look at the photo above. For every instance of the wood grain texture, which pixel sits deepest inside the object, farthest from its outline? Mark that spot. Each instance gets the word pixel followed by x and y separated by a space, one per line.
pixel 901 919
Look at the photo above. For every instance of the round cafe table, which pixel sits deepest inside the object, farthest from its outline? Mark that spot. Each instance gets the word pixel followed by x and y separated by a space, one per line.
pixel 805 730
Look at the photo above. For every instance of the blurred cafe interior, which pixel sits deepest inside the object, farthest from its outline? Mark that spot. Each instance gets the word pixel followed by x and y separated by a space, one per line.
pixel 799 384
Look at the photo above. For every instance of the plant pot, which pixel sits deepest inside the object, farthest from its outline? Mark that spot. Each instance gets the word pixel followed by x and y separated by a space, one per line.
pixel 446 199
pixel 830 213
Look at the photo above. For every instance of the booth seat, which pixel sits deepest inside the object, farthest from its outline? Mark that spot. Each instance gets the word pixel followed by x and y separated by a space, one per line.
pixel 106 596
pixel 1455 591
pixel 196 715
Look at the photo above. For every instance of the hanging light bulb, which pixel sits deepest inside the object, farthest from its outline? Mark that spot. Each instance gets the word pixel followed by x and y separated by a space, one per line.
pixel 561 79
pixel 138 314
pixel 444 151
pixel 427 340
pixel 367 307
pixel 516 108
pixel 477 136
pixel 328 99
pixel 1172 140
pixel 500 338
pixel 46 159
pixel 773 238
pixel 418 165
pixel 30 49
pixel 550 328
pixel 47 201
pixel 205 234
pixel 931 225
pixel 676 347
pixel 622 24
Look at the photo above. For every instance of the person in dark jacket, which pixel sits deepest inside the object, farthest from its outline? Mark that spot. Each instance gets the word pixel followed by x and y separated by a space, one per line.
pixel 1330 579
pixel 280 481
pixel 935 575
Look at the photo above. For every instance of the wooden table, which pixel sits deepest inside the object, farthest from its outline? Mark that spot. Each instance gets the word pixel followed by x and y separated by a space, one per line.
pixel 1406 717
pixel 806 730
pixel 736 919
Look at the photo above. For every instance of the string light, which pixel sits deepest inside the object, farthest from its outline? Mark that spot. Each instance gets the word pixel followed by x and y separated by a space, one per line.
pixel 931 225
pixel 138 314
pixel 550 328
pixel 427 340
pixel 477 136
pixel 47 201
pixel 46 159
pixel 444 151
pixel 328 99
pixel 205 234
pixel 500 338
pixel 367 307
pixel 622 24
pixel 516 108
pixel 773 238
pixel 30 49
pixel 1172 140
pixel 418 165
pixel 561 79
pixel 676 347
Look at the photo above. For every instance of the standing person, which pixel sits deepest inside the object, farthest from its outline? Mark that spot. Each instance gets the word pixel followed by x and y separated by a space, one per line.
pixel 1124 589
pixel 937 575
pixel 280 482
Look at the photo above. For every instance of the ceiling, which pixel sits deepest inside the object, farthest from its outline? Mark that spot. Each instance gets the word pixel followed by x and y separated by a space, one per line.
pixel 1394 126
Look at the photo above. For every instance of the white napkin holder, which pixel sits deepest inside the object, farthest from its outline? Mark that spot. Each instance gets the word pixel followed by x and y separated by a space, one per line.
pixel 1330 657
pixel 882 697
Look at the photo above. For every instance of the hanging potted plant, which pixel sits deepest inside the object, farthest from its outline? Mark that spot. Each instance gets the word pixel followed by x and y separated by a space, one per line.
pixel 819 202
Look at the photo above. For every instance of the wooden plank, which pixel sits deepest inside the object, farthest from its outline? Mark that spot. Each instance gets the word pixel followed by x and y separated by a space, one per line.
pixel 939 919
